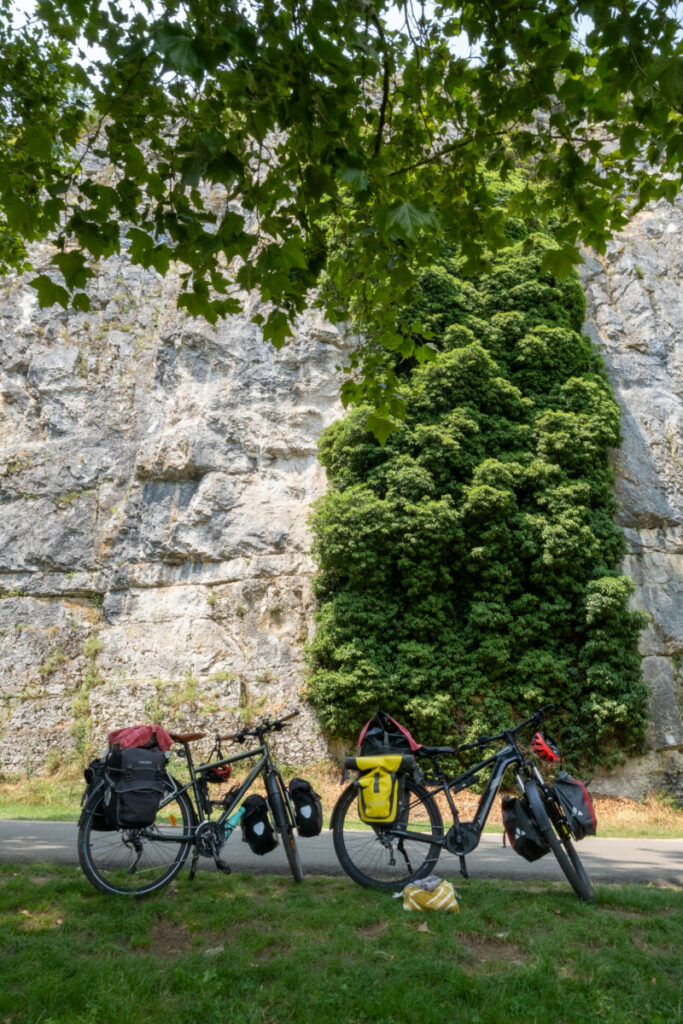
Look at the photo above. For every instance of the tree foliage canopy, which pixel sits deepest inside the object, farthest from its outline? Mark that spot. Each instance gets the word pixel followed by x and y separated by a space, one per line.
pixel 231 133
pixel 469 568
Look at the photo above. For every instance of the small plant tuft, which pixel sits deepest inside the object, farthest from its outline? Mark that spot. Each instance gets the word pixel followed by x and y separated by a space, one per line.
pixel 55 660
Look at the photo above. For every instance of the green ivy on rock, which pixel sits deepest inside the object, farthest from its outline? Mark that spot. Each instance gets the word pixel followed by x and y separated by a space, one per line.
pixel 468 570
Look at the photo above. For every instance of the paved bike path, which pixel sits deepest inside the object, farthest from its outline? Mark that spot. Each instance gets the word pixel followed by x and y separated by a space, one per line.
pixel 642 861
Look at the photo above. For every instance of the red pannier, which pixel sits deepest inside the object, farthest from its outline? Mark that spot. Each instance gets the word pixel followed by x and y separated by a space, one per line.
pixel 384 735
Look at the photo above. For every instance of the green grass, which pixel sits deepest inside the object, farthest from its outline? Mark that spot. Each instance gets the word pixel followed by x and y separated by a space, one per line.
pixel 261 950
pixel 42 798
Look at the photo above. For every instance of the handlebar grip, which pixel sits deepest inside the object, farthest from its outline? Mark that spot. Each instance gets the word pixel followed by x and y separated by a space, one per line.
pixel 240 736
pixel 481 742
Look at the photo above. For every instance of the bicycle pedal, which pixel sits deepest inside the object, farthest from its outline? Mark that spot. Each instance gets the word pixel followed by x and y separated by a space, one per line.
pixel 222 866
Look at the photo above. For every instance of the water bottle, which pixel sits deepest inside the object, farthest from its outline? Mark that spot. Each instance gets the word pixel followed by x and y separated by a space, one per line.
pixel 233 821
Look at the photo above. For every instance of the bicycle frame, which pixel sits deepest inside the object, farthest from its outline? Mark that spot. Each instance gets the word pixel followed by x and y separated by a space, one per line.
pixel 261 766
pixel 464 836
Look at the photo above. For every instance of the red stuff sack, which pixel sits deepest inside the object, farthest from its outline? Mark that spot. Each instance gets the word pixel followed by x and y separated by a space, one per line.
pixel 140 736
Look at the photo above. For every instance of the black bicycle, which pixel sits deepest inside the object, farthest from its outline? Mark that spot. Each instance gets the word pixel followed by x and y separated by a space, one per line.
pixel 137 861
pixel 389 857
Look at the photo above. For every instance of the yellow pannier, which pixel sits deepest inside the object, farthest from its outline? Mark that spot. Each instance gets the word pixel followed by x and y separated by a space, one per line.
pixel 380 785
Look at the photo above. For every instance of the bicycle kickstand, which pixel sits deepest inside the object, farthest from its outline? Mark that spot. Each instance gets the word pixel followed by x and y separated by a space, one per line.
pixel 463 867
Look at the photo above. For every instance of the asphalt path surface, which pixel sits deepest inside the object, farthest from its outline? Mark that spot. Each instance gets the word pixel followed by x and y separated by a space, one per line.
pixel 642 861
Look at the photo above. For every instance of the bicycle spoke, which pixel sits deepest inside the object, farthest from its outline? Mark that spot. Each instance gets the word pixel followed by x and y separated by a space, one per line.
pixel 136 861
pixel 368 854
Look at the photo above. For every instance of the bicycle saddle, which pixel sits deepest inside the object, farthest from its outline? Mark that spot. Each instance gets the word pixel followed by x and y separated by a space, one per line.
pixel 186 737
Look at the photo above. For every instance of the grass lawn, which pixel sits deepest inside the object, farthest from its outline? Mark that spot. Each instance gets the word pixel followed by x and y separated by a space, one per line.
pixel 262 950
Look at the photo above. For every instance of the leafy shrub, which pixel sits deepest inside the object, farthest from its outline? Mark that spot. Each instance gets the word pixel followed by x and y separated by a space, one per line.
pixel 468 571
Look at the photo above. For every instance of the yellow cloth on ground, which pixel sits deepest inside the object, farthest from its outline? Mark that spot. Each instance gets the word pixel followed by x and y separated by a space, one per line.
pixel 443 897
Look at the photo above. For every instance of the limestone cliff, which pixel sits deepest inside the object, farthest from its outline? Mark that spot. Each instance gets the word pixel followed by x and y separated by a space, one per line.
pixel 155 477
pixel 155 480
pixel 635 316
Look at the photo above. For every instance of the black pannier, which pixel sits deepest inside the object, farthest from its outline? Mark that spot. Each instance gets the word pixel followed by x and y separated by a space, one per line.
pixel 577 805
pixel 525 837
pixel 136 778
pixel 256 827
pixel 308 808
pixel 94 777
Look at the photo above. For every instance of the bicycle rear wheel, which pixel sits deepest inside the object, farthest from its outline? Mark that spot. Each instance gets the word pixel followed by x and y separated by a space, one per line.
pixel 284 823
pixel 548 820
pixel 134 862
pixel 372 855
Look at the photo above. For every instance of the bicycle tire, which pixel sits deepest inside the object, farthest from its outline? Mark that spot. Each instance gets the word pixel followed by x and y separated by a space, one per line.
pixel 284 823
pixel 368 853
pixel 547 819
pixel 135 862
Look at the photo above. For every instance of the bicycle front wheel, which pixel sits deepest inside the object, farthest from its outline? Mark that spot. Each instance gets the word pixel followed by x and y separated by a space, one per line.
pixel 134 862
pixel 373 855
pixel 284 824
pixel 549 821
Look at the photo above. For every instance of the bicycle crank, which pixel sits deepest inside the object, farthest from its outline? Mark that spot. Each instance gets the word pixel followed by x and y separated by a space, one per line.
pixel 209 839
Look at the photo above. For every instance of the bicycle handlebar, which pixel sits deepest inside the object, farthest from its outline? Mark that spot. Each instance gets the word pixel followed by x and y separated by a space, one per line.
pixel 265 725
pixel 488 741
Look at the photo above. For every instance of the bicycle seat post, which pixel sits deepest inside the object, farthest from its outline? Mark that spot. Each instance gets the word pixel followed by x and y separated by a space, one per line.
pixel 187 754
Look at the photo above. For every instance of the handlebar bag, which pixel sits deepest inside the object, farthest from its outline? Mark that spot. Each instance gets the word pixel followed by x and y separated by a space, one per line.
pixel 576 802
pixel 136 778
pixel 256 827
pixel 308 808
pixel 525 837
pixel 381 784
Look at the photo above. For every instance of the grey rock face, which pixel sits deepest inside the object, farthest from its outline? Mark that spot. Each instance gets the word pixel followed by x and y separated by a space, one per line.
pixel 635 316
pixel 155 481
